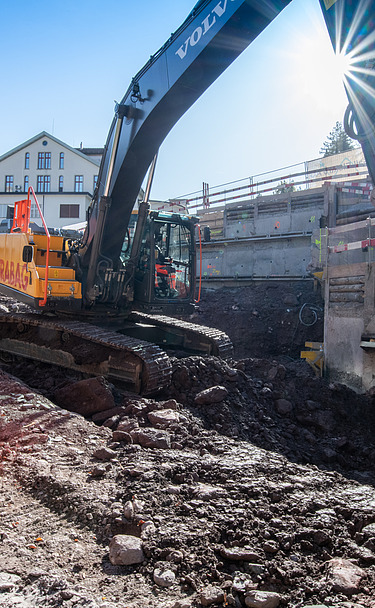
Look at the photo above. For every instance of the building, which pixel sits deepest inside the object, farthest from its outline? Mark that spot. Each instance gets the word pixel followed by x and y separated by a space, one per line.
pixel 63 178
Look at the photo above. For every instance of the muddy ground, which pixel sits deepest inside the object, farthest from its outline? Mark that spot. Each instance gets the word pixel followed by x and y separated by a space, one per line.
pixel 247 483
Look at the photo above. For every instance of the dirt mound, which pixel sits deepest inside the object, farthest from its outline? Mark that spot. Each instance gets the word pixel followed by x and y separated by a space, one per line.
pixel 248 483
pixel 221 520
pixel 265 319
pixel 284 408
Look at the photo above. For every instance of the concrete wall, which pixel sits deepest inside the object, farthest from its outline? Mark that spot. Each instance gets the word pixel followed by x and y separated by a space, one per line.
pixel 349 321
pixel 280 257
pixel 268 237
pixel 278 236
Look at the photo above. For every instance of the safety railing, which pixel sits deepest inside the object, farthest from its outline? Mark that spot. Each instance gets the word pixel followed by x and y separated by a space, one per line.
pixel 281 183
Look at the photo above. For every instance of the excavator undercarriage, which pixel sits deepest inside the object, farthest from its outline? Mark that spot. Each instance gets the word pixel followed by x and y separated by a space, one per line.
pixel 123 345
pixel 137 364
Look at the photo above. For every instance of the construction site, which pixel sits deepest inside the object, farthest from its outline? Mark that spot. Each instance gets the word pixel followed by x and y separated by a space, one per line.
pixel 244 482
pixel 321 236
pixel 187 388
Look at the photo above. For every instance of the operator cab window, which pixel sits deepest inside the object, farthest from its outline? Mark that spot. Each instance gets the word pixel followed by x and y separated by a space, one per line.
pixel 172 245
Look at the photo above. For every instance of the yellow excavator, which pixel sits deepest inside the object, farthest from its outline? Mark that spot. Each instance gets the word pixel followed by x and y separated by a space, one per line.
pixel 107 303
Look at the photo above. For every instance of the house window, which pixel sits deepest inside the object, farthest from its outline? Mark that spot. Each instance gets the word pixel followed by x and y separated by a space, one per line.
pixel 69 211
pixel 9 181
pixel 26 183
pixel 95 181
pixel 78 183
pixel 27 160
pixel 34 210
pixel 3 211
pixel 61 161
pixel 61 183
pixel 43 183
pixel 44 160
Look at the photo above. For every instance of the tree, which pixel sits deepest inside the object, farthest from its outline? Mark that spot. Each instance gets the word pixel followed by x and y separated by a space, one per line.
pixel 285 187
pixel 337 141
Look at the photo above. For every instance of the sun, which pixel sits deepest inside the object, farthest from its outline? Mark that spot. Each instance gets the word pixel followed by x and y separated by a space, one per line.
pixel 355 39
pixel 343 65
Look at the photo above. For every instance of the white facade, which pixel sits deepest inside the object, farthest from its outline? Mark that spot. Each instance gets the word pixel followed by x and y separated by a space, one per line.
pixel 63 179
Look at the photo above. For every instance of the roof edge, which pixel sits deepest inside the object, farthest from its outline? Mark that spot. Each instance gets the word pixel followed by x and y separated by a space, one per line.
pixel 53 138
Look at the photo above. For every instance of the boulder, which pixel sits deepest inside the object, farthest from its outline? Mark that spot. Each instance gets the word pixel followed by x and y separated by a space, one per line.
pixel 283 406
pixel 214 394
pixel 86 397
pixel 211 595
pixel 151 438
pixel 344 576
pixel 262 599
pixel 125 550
pixel 164 578
pixel 163 418
pixel 104 453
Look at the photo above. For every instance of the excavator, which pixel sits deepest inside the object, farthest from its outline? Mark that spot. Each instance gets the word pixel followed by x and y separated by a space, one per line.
pixel 107 303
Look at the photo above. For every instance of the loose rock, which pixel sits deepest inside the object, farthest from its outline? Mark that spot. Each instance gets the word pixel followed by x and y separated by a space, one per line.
pixel 215 394
pixel 262 599
pixel 126 550
pixel 211 595
pixel 164 578
pixel 344 576
pixel 86 397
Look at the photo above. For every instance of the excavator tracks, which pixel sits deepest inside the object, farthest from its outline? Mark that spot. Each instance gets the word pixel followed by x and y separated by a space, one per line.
pixel 142 367
pixel 182 334
pixel 139 364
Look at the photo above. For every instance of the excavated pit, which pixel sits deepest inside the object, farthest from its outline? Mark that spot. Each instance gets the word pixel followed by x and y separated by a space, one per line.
pixel 249 482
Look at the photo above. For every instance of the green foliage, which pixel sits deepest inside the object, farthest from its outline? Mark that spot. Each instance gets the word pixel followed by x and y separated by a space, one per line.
pixel 337 141
pixel 285 187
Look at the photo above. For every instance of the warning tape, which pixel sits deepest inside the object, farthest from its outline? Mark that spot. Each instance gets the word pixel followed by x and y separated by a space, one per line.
pixel 350 246
pixel 326 175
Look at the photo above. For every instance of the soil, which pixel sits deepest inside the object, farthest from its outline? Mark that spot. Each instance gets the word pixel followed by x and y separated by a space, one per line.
pixel 265 319
pixel 249 482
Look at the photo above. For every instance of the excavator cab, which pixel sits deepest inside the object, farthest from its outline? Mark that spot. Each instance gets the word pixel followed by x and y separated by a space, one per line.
pixel 165 275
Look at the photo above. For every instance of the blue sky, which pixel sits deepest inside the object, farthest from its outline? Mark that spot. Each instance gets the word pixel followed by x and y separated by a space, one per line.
pixel 64 64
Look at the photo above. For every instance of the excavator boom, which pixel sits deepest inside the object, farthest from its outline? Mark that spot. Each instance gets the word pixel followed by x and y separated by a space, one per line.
pixel 209 40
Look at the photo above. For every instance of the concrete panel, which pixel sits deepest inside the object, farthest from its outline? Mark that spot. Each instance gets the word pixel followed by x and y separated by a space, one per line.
pixel 279 257
pixel 344 358
pixel 239 229
pixel 306 220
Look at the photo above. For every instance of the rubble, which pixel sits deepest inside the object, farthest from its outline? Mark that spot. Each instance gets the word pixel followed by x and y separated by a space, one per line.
pixel 264 498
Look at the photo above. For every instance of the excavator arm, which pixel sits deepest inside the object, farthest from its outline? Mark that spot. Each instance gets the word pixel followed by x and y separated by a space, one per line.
pixel 210 39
